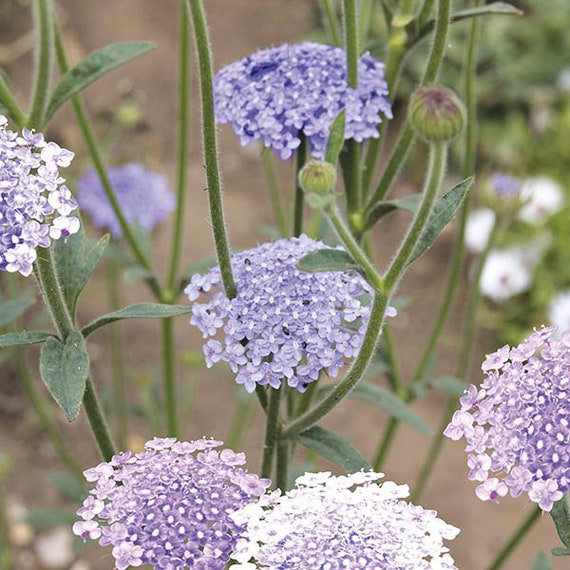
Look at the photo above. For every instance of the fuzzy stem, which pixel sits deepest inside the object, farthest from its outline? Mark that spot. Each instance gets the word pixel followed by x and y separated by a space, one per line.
pixel 98 162
pixel 330 21
pixel 97 421
pixel 181 159
pixel 299 202
pixel 517 537
pixel 169 377
pixel 210 141
pixel 274 193
pixel 8 101
pixel 271 429
pixel 43 17
pixel 437 158
pixel 343 388
pixel 350 21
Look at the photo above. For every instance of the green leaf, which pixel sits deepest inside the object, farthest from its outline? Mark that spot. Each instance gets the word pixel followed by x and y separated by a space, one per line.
pixel 451 385
pixel 381 209
pixel 443 212
pixel 11 310
pixel 561 515
pixel 43 519
pixel 335 141
pixel 24 338
pixel 389 402
pixel 138 311
pixel 559 551
pixel 94 66
pixel 64 368
pixel 327 260
pixel 75 261
pixel 541 562
pixel 334 448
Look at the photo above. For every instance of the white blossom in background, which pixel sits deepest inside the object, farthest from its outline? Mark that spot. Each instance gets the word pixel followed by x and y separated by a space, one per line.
pixel 543 197
pixel 506 273
pixel 559 311
pixel 478 229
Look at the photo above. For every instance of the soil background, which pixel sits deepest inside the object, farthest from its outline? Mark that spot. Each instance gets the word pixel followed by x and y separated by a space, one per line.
pixel 237 28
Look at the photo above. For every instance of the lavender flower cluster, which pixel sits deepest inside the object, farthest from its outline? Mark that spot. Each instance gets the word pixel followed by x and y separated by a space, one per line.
pixel 284 323
pixel 517 424
pixel 275 94
pixel 169 505
pixel 143 196
pixel 334 523
pixel 34 202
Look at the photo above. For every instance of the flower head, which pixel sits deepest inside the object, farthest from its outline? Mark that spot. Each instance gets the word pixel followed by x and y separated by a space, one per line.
pixel 517 424
pixel 342 522
pixel 143 196
pixel 284 323
pixel 169 505
pixel 543 197
pixel 277 93
pixel 34 202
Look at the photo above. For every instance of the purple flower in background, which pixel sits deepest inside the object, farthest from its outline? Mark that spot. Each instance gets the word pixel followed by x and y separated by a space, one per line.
pixel 505 185
pixel 277 93
pixel 284 324
pixel 347 522
pixel 517 424
pixel 35 204
pixel 143 195
pixel 170 505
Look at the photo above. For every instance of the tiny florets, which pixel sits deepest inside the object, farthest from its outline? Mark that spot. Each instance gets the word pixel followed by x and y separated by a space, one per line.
pixel 284 323
pixel 341 522
pixel 170 505
pixel 35 204
pixel 278 93
pixel 143 196
pixel 517 424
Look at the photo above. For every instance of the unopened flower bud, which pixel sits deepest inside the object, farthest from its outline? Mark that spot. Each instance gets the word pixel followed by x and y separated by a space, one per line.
pixel 318 177
pixel 502 194
pixel 437 113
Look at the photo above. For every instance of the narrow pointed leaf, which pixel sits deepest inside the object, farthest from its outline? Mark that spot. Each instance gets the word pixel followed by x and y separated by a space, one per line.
pixel 409 203
pixel 24 338
pixel 561 515
pixel 443 212
pixel 12 309
pixel 335 141
pixel 451 385
pixel 559 551
pixel 327 260
pixel 64 368
pixel 94 66
pixel 138 311
pixel 541 562
pixel 390 403
pixel 335 448
pixel 75 261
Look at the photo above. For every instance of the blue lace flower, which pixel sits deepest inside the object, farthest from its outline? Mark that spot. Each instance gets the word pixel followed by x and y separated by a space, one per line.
pixel 517 424
pixel 336 523
pixel 35 204
pixel 143 196
pixel 170 505
pixel 278 93
pixel 284 324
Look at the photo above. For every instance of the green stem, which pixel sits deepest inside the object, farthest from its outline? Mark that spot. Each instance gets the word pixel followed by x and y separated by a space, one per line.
pixel 353 248
pixel 464 358
pixel 299 203
pixel 517 537
pixel 169 377
pixel 343 388
pixel 8 101
pixel 437 158
pixel 274 192
pixel 43 65
pixel 271 429
pixel 407 134
pixel 350 21
pixel 331 22
pixel 97 421
pixel 425 13
pixel 393 373
pixel 210 141
pixel 98 162
pixel 281 480
pixel 181 159
pixel 117 361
